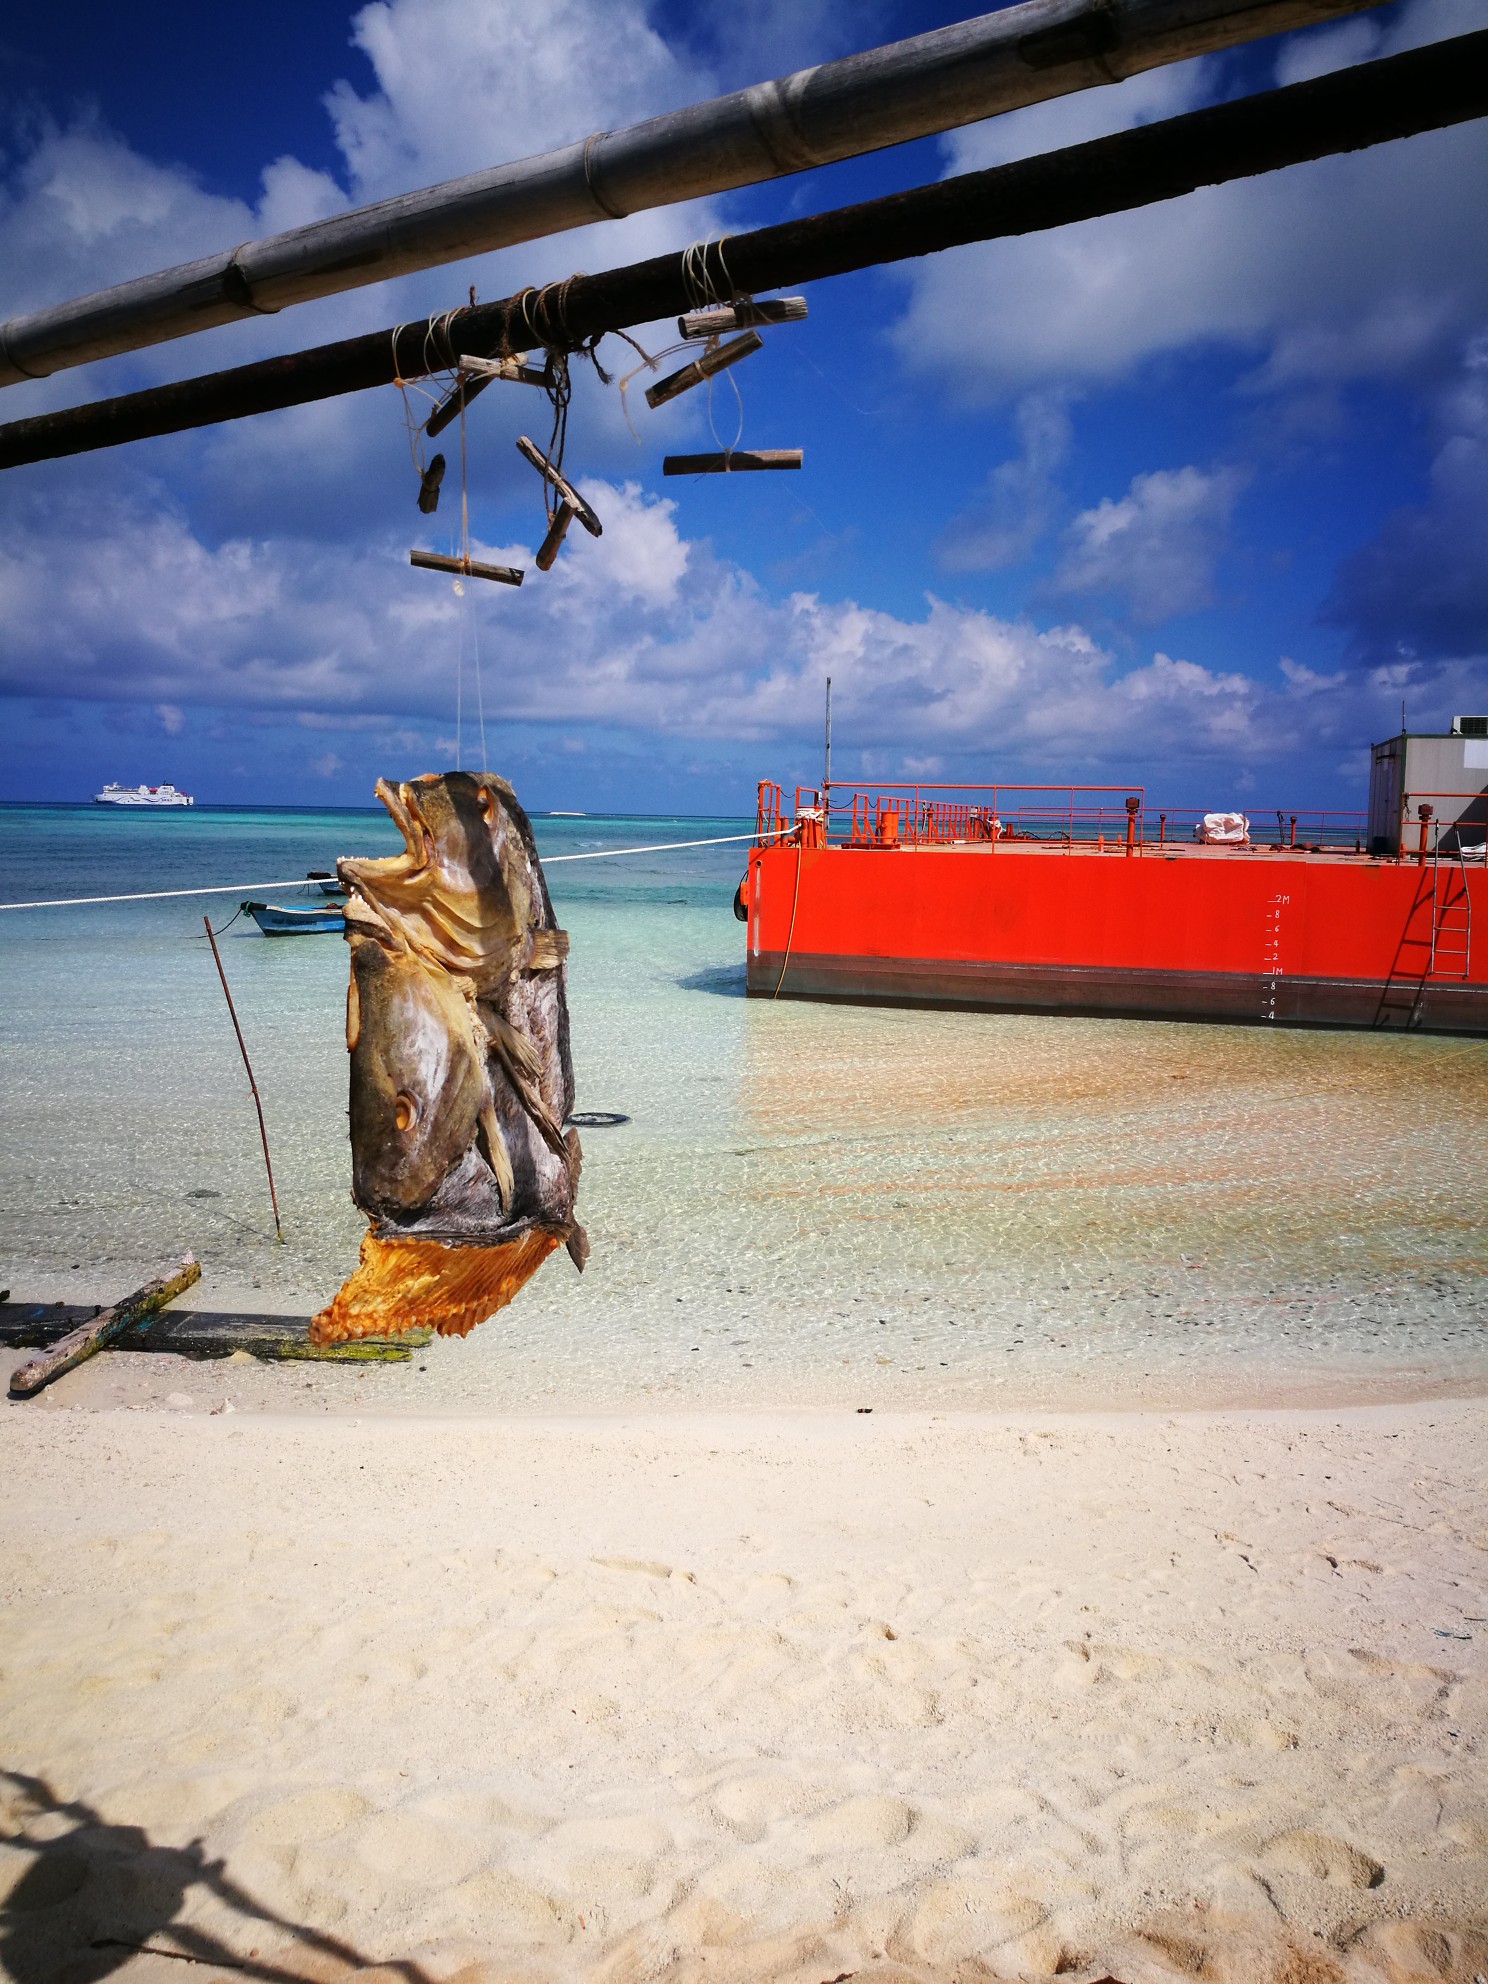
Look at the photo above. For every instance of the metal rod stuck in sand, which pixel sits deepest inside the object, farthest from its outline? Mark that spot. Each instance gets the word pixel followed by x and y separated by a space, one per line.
pixel 252 1084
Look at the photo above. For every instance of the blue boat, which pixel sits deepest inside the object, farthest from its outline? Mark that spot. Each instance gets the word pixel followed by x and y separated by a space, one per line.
pixel 314 920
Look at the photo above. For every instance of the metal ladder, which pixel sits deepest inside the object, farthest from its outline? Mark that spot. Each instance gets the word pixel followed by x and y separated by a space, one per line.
pixel 1451 915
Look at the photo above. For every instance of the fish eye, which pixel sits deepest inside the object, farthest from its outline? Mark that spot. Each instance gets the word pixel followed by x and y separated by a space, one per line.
pixel 404 1110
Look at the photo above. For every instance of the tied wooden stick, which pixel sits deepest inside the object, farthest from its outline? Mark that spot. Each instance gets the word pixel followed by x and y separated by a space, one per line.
pixel 252 1084
pixel 80 1343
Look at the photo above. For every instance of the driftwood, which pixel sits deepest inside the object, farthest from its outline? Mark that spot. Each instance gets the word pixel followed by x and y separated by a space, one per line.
pixel 731 461
pixel 199 1335
pixel 547 551
pixel 81 1343
pixel 475 374
pixel 429 481
pixel 716 318
pixel 564 488
pixel 694 373
pixel 465 568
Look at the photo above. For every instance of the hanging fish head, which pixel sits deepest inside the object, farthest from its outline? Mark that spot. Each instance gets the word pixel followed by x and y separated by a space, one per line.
pixel 418 1081
pixel 468 891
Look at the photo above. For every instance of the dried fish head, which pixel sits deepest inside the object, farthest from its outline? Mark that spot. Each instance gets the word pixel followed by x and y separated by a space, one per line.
pixel 467 892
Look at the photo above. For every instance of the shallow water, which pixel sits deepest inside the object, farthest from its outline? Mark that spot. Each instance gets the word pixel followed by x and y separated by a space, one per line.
pixel 813 1205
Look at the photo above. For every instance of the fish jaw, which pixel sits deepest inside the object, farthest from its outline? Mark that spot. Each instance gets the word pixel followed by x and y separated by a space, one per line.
pixel 460 894
pixel 369 874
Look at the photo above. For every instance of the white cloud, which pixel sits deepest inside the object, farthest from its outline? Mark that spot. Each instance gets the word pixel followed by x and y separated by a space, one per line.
pixel 1156 546
pixel 463 84
pixel 643 631
pixel 1367 265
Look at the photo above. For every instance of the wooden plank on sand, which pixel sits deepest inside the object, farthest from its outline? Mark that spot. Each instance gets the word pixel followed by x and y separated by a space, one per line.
pixel 80 1343
pixel 37 1326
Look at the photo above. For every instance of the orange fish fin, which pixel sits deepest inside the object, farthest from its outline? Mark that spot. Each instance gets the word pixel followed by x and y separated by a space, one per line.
pixel 406 1284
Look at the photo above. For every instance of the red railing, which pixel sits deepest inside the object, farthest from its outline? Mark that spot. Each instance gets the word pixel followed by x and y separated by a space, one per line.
pixel 922 815
pixel 1422 828
pixel 1094 818
pixel 1311 831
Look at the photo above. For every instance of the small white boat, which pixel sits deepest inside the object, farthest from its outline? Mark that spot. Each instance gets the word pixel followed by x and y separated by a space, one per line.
pixel 142 795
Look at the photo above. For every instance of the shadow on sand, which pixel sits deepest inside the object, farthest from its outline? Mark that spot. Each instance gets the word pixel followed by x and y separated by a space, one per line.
pixel 95 1895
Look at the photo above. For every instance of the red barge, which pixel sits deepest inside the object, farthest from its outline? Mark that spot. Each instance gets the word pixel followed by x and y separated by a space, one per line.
pixel 1084 899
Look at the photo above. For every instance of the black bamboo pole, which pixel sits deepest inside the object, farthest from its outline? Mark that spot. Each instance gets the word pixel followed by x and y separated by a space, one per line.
pixel 1425 89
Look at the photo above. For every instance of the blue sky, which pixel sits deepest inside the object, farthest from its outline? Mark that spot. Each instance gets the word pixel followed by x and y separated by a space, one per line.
pixel 1193 497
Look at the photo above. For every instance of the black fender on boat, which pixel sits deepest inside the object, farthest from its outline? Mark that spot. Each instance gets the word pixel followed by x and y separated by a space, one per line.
pixel 741 908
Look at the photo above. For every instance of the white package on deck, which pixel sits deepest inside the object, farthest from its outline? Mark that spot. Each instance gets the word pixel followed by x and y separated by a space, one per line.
pixel 1223 829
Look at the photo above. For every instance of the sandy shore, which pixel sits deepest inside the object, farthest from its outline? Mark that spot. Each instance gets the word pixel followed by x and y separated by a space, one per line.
pixel 743 1696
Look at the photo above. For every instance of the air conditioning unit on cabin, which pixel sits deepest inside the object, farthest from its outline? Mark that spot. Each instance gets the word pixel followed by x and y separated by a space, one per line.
pixel 1470 726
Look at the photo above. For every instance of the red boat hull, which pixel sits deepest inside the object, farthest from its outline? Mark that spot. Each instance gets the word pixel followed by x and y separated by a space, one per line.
pixel 1244 934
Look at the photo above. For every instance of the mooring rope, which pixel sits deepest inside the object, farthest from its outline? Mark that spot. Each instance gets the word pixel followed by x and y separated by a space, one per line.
pixel 300 881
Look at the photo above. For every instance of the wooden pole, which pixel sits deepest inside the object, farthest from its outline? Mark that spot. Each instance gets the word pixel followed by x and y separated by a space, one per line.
pixel 28 1379
pixel 1425 89
pixel 252 1084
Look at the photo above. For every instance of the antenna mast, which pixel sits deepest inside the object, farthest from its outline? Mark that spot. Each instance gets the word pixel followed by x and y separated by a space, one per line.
pixel 827 769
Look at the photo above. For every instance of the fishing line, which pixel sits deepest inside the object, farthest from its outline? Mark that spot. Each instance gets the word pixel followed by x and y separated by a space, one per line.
pixel 480 705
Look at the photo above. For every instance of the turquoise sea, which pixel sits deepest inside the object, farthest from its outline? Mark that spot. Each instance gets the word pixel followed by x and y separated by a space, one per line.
pixel 811 1205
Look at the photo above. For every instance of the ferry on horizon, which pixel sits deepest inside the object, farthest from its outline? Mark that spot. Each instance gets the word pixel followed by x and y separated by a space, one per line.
pixel 142 795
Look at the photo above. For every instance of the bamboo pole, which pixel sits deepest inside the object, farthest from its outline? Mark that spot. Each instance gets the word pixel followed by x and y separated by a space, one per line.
pixel 252 1084
pixel 1424 89
pixel 27 1379
pixel 885 96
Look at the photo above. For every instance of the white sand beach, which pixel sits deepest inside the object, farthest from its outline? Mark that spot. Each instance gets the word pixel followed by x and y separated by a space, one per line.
pixel 739 1696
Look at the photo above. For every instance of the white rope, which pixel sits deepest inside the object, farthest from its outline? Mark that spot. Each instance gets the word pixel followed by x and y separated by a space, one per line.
pixel 299 881
pixel 656 847
pixel 159 895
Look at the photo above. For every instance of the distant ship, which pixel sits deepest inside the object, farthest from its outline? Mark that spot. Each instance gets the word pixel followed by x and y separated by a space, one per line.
pixel 142 795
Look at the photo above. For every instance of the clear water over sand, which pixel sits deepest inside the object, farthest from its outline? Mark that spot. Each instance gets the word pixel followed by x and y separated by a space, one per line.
pixel 812 1205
